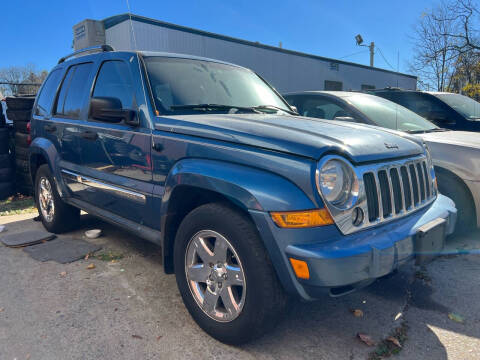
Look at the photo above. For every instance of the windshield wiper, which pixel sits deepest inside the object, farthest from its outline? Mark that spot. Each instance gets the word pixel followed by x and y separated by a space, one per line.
pixel 209 107
pixel 273 107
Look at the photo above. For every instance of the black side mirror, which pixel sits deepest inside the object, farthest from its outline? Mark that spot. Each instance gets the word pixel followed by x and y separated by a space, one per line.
pixel 109 109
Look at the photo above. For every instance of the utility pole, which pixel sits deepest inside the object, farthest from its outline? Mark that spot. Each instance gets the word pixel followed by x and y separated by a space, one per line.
pixel 372 52
pixel 371 47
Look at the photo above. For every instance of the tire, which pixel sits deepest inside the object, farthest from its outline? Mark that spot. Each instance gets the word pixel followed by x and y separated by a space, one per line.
pixel 21 152
pixel 19 103
pixel 22 127
pixel 22 140
pixel 22 166
pixel 455 189
pixel 263 297
pixel 6 174
pixel 23 183
pixel 6 190
pixel 4 140
pixel 19 115
pixel 64 217
pixel 5 161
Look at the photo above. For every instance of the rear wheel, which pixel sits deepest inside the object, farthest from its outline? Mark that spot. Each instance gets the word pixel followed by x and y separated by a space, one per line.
pixel 225 276
pixel 56 216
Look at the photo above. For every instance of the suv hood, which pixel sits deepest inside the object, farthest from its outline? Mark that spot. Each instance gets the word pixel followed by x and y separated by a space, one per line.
pixel 462 138
pixel 296 135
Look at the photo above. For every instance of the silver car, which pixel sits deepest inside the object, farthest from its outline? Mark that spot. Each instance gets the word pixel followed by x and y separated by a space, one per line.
pixel 456 154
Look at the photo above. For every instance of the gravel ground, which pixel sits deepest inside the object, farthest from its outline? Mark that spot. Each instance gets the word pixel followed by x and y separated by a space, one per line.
pixel 129 309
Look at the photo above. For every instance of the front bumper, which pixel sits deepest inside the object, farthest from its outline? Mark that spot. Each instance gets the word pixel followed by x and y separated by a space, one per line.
pixel 346 262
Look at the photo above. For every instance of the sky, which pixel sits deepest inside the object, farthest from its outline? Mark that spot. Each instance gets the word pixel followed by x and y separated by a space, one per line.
pixel 40 32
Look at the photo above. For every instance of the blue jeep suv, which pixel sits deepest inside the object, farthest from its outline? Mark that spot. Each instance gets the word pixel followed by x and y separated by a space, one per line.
pixel 250 202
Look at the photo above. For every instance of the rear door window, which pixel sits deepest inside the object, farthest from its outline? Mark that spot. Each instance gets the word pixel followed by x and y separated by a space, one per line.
pixel 71 98
pixel 48 92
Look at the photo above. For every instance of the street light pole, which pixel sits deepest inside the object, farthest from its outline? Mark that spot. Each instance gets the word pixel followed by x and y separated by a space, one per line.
pixel 372 52
pixel 371 47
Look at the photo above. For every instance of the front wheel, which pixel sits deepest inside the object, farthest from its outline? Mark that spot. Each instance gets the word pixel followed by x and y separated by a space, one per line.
pixel 225 276
pixel 56 216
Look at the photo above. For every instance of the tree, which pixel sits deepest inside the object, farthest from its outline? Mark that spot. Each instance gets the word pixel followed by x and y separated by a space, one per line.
pixel 434 59
pixel 15 76
pixel 464 36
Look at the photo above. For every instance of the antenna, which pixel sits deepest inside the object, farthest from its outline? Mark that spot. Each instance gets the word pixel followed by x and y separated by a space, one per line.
pixel 138 57
pixel 131 26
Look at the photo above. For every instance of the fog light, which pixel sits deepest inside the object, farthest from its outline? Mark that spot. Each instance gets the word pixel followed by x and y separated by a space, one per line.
pixel 357 216
pixel 300 268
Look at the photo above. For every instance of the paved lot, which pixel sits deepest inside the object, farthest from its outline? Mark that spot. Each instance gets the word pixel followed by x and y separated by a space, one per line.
pixel 129 309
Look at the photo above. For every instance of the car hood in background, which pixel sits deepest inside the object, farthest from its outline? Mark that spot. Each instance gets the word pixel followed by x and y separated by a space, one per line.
pixel 462 138
pixel 456 151
pixel 296 135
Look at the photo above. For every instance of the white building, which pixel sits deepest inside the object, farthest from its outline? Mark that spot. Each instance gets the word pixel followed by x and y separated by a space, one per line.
pixel 286 70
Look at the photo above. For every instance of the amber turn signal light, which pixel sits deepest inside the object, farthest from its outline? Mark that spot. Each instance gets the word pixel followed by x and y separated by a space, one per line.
pixel 300 268
pixel 302 219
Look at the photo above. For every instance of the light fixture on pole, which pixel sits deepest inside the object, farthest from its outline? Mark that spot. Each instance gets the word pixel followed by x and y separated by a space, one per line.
pixel 359 41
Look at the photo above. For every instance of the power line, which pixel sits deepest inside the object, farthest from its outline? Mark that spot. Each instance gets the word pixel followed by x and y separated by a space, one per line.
pixel 356 53
pixel 384 59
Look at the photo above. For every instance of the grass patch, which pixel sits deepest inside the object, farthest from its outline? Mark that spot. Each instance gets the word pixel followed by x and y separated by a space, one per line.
pixel 17 204
pixel 109 256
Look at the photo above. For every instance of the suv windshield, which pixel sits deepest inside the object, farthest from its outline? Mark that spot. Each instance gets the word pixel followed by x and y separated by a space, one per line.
pixel 182 86
pixel 386 113
pixel 463 104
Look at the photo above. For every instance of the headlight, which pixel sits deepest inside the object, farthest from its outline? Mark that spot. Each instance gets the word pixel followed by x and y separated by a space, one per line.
pixel 338 183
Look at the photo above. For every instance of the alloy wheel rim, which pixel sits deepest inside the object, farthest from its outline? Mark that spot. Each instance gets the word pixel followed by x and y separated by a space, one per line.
pixel 215 276
pixel 45 199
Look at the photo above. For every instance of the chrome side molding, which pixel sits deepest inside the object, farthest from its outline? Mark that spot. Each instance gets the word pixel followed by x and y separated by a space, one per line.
pixel 93 183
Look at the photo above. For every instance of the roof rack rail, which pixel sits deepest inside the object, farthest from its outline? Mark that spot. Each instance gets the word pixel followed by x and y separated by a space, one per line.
pixel 98 48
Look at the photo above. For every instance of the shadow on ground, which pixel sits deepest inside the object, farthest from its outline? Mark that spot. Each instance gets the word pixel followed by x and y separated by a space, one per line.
pixel 130 309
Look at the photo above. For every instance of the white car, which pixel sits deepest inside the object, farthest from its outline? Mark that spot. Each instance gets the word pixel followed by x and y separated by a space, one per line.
pixel 456 154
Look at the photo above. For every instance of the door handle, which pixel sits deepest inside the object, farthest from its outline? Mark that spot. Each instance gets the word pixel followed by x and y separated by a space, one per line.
pixel 50 128
pixel 89 135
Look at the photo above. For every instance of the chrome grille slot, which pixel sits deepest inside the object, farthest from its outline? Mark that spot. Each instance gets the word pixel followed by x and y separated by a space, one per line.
pixel 427 179
pixel 421 177
pixel 397 189
pixel 385 193
pixel 407 187
pixel 372 196
pixel 414 180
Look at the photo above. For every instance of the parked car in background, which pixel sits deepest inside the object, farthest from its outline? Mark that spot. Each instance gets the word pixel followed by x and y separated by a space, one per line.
pixel 455 154
pixel 248 201
pixel 446 110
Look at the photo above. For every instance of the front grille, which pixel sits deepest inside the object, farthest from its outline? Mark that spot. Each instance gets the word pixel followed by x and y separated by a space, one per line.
pixel 397 188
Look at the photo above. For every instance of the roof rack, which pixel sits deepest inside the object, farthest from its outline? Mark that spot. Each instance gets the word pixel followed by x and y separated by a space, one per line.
pixel 96 48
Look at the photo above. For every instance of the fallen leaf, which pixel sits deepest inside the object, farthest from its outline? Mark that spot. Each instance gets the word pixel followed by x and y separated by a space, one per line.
pixel 357 313
pixel 87 256
pixel 2 309
pixel 28 357
pixel 394 341
pixel 455 317
pixel 91 266
pixel 63 274
pixel 366 339
pixel 159 337
pixel 136 336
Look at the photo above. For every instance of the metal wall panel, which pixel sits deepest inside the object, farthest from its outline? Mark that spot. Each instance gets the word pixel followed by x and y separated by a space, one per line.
pixel 286 72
